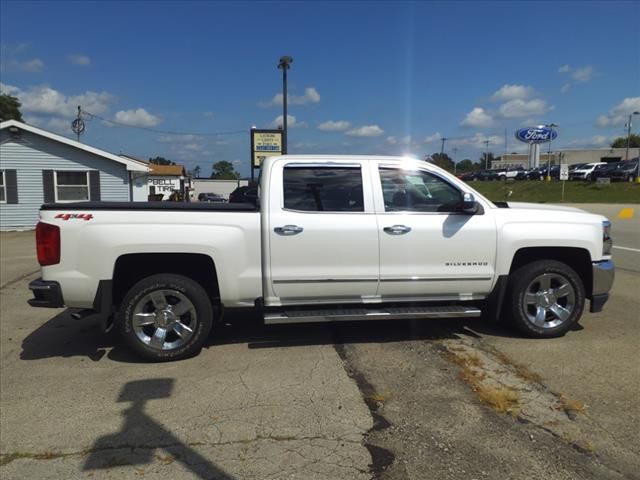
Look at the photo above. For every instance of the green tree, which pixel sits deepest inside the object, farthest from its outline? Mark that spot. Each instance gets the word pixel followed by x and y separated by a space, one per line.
pixel 10 108
pixel 442 161
pixel 483 160
pixel 196 171
pixel 224 170
pixel 621 142
pixel 466 165
pixel 161 161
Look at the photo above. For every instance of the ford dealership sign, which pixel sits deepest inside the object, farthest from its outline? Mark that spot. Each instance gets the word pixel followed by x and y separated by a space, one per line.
pixel 536 134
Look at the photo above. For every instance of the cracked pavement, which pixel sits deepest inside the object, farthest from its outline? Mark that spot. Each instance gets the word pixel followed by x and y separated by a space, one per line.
pixel 352 401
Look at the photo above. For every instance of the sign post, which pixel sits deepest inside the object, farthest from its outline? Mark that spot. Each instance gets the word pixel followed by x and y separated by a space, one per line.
pixel 535 136
pixel 264 143
pixel 564 176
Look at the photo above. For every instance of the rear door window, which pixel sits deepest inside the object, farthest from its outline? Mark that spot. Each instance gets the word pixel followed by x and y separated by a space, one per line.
pixel 323 189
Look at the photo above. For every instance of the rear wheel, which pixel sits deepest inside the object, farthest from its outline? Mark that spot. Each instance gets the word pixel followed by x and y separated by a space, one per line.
pixel 165 317
pixel 546 298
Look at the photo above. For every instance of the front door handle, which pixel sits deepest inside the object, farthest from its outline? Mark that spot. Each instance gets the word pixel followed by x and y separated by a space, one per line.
pixel 288 230
pixel 397 230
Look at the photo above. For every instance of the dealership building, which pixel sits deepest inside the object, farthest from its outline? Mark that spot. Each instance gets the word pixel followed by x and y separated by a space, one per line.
pixel 568 156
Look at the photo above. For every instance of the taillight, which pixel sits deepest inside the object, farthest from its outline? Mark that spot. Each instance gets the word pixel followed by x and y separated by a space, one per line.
pixel 48 244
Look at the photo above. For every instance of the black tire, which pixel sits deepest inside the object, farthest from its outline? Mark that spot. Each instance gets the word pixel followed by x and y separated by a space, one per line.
pixel 524 305
pixel 188 337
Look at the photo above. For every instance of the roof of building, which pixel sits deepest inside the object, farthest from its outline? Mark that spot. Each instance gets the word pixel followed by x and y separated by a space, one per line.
pixel 131 164
pixel 167 170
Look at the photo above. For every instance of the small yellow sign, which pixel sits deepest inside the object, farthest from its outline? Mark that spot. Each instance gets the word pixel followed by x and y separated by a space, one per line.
pixel 265 143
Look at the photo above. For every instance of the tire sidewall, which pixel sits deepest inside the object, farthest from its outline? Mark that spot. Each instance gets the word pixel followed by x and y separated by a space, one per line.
pixel 523 277
pixel 190 289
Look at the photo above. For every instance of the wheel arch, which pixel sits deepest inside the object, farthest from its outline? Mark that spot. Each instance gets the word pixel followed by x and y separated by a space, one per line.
pixel 131 268
pixel 578 259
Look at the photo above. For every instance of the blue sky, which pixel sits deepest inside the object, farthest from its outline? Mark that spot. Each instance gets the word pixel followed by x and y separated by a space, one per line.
pixel 367 77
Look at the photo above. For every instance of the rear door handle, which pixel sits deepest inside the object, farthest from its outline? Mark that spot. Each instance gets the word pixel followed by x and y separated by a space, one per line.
pixel 397 230
pixel 288 230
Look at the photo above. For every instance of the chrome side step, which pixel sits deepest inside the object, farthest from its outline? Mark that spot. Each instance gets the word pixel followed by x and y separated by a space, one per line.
pixel 354 314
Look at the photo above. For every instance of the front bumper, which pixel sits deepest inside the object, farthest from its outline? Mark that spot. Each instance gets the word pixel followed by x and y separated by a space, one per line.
pixel 603 276
pixel 46 294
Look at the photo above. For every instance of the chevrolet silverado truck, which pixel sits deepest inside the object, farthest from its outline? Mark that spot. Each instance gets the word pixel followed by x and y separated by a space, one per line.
pixel 332 238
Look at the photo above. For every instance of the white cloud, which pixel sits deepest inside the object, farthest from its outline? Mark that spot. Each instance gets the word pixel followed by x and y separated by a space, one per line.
pixel 511 92
pixel 44 100
pixel 564 68
pixel 599 140
pixel 311 95
pixel 565 88
pixel 208 114
pixel 137 118
pixel 406 140
pixel 367 131
pixel 583 74
pixel 331 126
pixel 78 59
pixel 176 138
pixel 477 118
pixel 31 66
pixel 9 89
pixel 619 114
pixel 292 122
pixel 477 141
pixel 595 141
pixel 522 108
pixel 436 137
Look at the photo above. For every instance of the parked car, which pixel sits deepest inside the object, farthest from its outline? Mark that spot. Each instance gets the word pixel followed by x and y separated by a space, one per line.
pixel 469 176
pixel 246 194
pixel 211 197
pixel 508 173
pixel 486 175
pixel 327 245
pixel 604 171
pixel 537 173
pixel 584 172
pixel 626 171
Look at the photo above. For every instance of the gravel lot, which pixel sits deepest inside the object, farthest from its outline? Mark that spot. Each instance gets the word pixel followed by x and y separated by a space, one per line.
pixel 404 400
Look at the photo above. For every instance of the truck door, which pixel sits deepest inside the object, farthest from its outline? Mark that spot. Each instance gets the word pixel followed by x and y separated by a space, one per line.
pixel 322 233
pixel 429 250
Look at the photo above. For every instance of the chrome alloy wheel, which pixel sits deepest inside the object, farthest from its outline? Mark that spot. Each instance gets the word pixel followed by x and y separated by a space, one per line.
pixel 549 300
pixel 164 319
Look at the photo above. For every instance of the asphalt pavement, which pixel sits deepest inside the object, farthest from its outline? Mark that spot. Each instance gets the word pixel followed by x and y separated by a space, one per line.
pixel 392 400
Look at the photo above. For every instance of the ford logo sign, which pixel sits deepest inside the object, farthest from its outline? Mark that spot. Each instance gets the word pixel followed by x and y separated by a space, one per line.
pixel 536 134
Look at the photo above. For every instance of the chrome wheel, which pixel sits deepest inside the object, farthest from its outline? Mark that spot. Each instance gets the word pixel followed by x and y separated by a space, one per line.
pixel 164 319
pixel 549 300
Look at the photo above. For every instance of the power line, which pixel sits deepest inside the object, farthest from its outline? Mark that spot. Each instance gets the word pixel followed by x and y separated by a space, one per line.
pixel 164 132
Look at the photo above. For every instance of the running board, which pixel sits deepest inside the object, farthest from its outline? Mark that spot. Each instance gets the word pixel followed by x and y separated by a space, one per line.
pixel 348 315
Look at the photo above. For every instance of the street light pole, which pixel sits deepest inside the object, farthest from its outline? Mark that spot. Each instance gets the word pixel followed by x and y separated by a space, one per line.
pixel 284 65
pixel 550 125
pixel 626 157
pixel 486 156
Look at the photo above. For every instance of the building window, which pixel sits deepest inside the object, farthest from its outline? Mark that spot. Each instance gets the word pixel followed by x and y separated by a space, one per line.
pixel 71 186
pixel 3 191
pixel 323 189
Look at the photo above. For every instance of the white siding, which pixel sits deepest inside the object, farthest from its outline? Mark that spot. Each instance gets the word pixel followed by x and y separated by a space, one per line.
pixel 32 154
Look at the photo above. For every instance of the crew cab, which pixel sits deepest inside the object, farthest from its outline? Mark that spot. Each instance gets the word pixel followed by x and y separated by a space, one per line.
pixel 332 238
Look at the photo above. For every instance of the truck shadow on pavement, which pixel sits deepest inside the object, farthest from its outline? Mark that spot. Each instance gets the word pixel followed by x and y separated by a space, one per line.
pixel 142 438
pixel 63 336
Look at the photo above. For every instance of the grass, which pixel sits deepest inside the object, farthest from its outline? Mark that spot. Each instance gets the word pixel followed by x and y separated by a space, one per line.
pixel 551 192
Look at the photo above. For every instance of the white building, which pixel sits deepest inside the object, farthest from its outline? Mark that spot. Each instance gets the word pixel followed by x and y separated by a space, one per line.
pixel 37 166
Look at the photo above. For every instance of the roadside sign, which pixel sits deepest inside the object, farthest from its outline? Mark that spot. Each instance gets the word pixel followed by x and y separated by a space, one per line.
pixel 264 143
pixel 564 171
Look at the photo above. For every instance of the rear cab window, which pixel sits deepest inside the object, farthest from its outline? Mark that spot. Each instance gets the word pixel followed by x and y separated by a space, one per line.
pixel 323 189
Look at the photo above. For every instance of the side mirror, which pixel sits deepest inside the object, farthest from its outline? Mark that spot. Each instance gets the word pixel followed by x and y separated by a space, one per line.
pixel 469 204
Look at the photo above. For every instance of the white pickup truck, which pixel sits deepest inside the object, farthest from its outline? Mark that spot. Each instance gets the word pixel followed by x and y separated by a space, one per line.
pixel 333 238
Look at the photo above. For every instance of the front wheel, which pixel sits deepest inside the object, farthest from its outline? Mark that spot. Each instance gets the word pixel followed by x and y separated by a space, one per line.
pixel 165 317
pixel 547 298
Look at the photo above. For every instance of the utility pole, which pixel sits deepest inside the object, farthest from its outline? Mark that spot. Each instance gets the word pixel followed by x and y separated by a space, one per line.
pixel 284 65
pixel 626 157
pixel 444 139
pixel 455 163
pixel 486 157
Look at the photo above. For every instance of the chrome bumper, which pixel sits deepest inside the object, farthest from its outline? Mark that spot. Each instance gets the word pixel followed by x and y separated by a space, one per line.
pixel 603 276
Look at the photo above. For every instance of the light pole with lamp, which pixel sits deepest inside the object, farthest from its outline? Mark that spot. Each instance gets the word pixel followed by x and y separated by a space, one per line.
pixel 626 157
pixel 551 126
pixel 284 65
